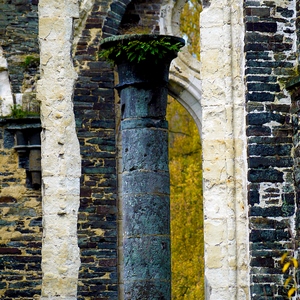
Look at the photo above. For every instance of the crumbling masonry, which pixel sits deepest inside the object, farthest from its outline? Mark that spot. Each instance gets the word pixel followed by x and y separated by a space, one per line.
pixel 61 237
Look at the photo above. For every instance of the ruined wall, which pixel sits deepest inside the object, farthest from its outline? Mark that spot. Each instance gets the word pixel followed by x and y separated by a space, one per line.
pixel 271 60
pixel 95 118
pixel 95 121
pixel 20 223
pixel 94 106
pixel 18 38
pixel 97 127
pixel 20 201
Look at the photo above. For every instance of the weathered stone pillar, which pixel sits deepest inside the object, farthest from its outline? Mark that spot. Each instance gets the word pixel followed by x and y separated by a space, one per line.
pixel 61 163
pixel 145 173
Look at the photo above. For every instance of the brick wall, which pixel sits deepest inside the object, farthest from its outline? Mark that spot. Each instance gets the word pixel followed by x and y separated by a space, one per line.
pixel 20 203
pixel 141 15
pixel 94 107
pixel 18 37
pixel 20 222
pixel 270 62
pixel 295 114
pixel 95 111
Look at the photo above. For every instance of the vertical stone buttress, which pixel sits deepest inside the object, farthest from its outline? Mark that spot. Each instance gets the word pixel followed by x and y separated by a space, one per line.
pixel 60 151
pixel 224 150
pixel 145 175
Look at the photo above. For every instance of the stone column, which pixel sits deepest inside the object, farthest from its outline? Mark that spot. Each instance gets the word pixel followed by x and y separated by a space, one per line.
pixel 61 163
pixel 224 160
pixel 145 176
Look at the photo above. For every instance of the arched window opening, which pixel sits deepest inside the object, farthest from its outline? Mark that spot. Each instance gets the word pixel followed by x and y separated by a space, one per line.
pixel 187 241
pixel 190 26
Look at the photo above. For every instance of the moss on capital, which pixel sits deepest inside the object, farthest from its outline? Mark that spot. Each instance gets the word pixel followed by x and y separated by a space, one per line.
pixel 140 47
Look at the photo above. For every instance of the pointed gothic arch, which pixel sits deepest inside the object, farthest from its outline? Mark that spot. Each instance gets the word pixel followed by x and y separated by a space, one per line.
pixel 212 91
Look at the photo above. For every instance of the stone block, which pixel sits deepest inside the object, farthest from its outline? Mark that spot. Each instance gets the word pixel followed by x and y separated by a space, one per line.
pixel 58 8
pixel 261 97
pixel 145 149
pixel 149 259
pixel 215 232
pixel 153 215
pixel 262 26
pixel 265 175
pixel 215 150
pixel 263 87
pixel 270 150
pixel 142 103
pixel 136 182
pixel 64 287
pixel 263 118
pixel 151 290
pixel 214 257
pixel 215 200
pixel 258 11
pixel 58 185
pixel 60 204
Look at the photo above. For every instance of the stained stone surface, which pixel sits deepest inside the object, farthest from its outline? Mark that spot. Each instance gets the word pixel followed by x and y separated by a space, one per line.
pixel 145 177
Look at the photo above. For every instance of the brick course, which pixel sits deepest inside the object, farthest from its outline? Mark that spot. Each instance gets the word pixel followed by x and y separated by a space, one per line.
pixel 94 107
pixel 18 38
pixel 270 61
pixel 95 111
pixel 20 224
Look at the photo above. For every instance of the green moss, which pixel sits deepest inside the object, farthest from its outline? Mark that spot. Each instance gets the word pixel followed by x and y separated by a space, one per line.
pixel 17 112
pixel 137 50
pixel 31 61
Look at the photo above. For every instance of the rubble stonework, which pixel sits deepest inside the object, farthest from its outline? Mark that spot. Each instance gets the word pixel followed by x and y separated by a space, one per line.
pixel 19 30
pixel 20 225
pixel 271 60
pixel 238 97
